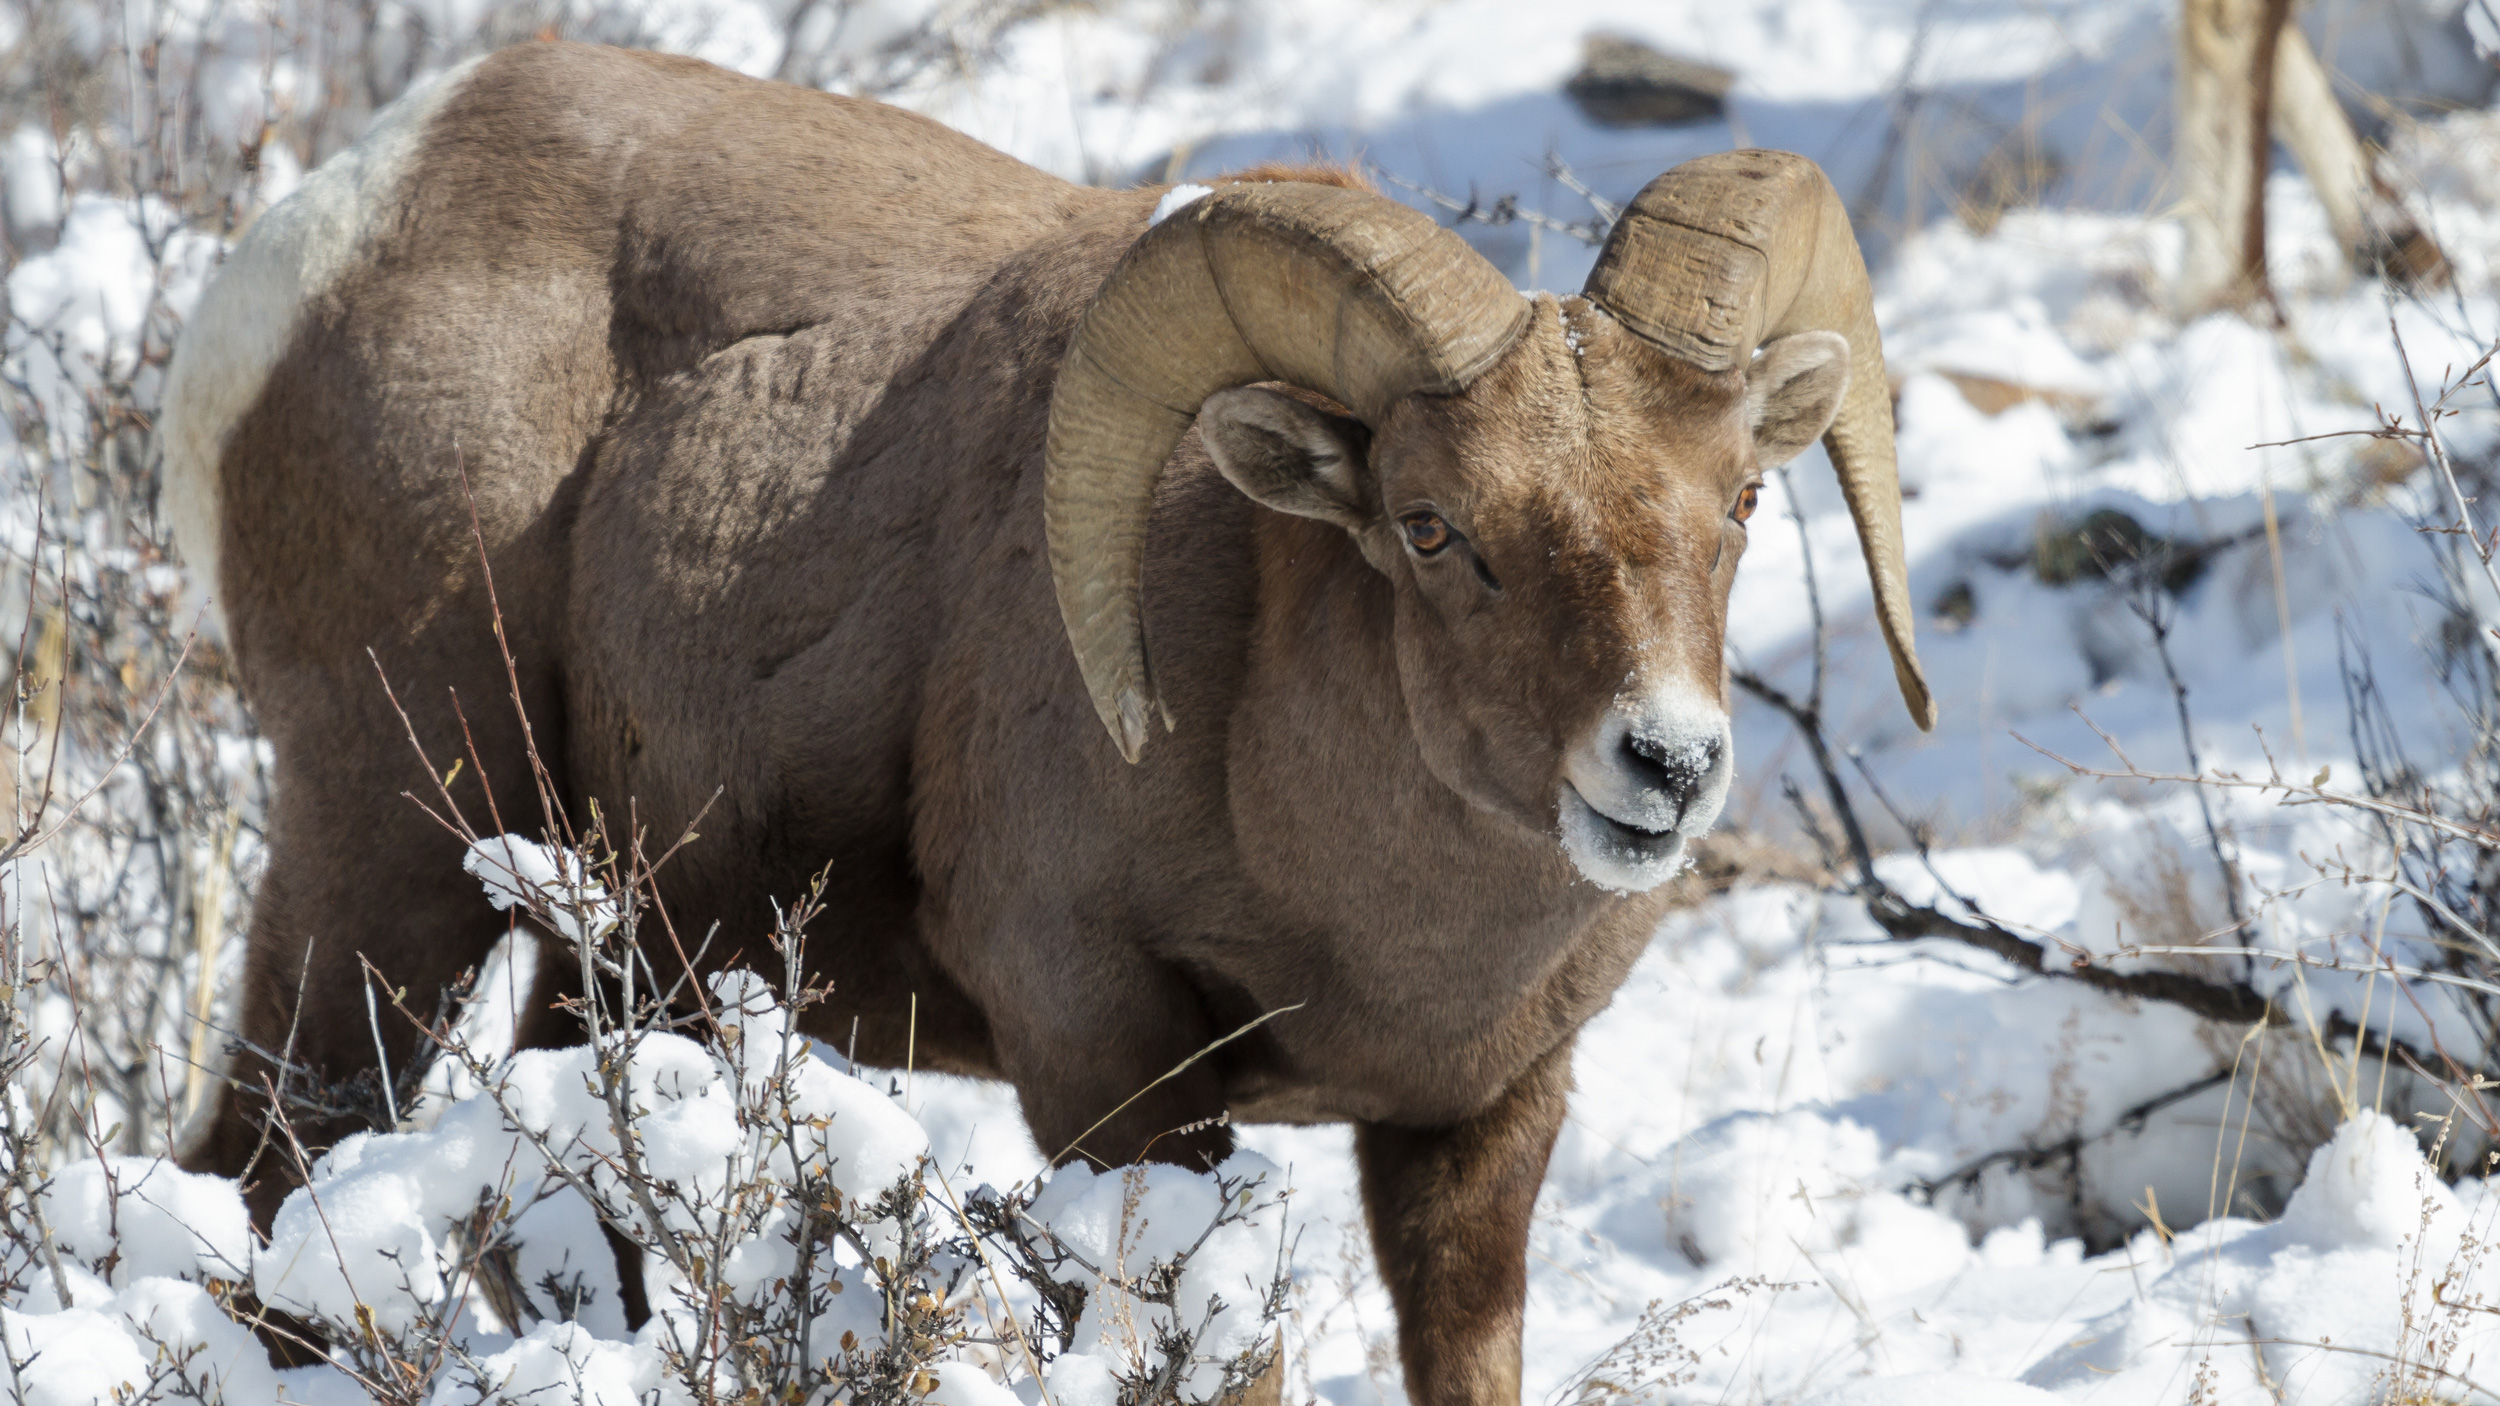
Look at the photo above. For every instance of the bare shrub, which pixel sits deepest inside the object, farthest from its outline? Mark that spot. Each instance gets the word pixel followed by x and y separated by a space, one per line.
pixel 1653 1358
pixel 793 1237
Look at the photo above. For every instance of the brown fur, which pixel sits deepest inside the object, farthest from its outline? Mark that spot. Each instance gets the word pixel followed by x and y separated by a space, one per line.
pixel 1318 173
pixel 749 383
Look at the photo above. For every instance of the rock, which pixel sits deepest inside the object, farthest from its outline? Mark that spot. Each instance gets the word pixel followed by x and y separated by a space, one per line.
pixel 1626 83
pixel 1992 396
pixel 2109 545
pixel 1955 608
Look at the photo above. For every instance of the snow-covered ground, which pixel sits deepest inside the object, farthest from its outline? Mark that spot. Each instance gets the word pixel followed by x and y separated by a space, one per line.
pixel 1784 1152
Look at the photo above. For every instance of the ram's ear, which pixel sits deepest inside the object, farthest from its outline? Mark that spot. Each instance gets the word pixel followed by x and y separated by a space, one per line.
pixel 1792 391
pixel 1289 454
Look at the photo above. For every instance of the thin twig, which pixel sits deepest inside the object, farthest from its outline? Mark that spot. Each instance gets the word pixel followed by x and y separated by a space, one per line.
pixel 1504 209
pixel 2439 456
pixel 2145 600
pixel 2033 1158
pixel 2296 793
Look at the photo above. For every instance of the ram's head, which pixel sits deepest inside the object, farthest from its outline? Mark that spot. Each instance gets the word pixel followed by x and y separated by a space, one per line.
pixel 1556 490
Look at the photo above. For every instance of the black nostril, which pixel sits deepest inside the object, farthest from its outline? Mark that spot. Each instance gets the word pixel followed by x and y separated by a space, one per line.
pixel 1677 768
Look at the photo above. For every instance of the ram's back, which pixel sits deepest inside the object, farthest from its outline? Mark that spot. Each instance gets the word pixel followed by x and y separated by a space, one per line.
pixel 517 251
pixel 768 338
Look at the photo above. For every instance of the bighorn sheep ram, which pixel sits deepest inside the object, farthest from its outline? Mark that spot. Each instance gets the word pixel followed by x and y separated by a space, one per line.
pixel 807 435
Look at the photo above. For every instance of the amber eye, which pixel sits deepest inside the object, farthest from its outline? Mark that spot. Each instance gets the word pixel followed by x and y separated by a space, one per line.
pixel 1747 501
pixel 1425 532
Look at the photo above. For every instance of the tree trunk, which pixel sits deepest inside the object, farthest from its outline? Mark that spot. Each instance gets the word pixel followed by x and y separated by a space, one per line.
pixel 2312 124
pixel 2247 76
pixel 2227 50
pixel 2370 226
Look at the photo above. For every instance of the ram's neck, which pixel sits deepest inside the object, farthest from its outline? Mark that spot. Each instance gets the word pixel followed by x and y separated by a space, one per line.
pixel 1431 948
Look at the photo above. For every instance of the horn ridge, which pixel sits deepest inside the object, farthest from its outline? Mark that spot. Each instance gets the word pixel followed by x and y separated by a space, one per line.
pixel 1725 252
pixel 1342 292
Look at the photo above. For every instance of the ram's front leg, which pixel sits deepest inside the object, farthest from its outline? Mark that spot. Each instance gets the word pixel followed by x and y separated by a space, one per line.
pixel 1449 1211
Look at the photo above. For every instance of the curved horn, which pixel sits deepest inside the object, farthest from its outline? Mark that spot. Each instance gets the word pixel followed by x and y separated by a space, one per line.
pixel 1338 291
pixel 1726 252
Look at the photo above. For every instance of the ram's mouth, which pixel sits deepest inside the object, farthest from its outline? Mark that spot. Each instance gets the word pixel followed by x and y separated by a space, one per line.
pixel 1612 853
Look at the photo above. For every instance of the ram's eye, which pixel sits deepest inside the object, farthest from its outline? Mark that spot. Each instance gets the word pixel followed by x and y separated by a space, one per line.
pixel 1426 532
pixel 1747 501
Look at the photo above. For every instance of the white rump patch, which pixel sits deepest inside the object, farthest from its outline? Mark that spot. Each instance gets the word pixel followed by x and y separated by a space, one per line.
pixel 1177 199
pixel 291 255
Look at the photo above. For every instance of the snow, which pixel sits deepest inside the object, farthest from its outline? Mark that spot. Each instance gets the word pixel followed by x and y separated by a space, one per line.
pixel 1933 1389
pixel 963 1384
pixel 30 179
pixel 113 1342
pixel 565 1362
pixel 522 873
pixel 366 1241
pixel 73 1357
pixel 374 1225
pixel 1123 1220
pixel 1787 1122
pixel 1177 199
pixel 149 1219
pixel 81 311
pixel 2369 1215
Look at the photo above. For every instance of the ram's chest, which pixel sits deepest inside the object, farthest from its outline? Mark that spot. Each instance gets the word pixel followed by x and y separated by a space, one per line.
pixel 1404 1024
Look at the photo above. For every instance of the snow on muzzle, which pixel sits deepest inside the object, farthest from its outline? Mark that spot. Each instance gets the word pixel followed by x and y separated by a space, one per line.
pixel 1649 777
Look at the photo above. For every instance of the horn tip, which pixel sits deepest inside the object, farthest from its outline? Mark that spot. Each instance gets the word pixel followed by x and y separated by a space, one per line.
pixel 1916 695
pixel 1128 722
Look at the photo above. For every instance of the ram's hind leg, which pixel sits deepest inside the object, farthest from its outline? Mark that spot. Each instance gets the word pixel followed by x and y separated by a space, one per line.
pixel 1449 1210
pixel 358 874
pixel 306 1034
